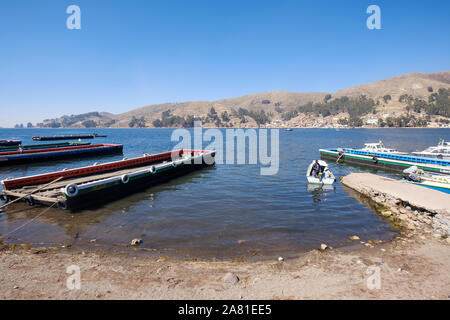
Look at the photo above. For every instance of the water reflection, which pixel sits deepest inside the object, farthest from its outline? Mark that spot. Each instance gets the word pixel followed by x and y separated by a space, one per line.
pixel 320 191
pixel 74 224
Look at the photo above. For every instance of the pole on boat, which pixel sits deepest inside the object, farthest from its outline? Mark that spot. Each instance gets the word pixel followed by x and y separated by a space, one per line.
pixel 339 158
pixel 36 190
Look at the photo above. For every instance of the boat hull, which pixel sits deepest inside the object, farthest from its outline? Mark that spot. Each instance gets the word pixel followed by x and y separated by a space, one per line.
pixel 379 161
pixel 68 137
pixel 8 143
pixel 39 155
pixel 100 183
pixel 445 189
pixel 97 198
pixel 325 181
pixel 43 146
pixel 428 155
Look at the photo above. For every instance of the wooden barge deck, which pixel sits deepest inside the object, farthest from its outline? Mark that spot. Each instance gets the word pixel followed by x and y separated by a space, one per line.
pixel 90 186
pixel 46 154
pixel 385 161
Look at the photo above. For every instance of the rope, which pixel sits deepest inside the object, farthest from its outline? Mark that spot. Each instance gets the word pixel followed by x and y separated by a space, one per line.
pixel 29 221
pixel 34 191
pixel 339 158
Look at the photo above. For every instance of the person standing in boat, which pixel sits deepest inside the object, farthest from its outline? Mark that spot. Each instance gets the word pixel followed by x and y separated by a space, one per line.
pixel 316 169
pixel 20 149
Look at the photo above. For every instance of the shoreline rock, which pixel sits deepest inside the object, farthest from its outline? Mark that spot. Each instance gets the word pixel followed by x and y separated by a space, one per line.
pixel 414 208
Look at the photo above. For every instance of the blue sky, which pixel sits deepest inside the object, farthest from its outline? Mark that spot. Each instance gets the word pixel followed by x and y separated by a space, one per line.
pixel 138 52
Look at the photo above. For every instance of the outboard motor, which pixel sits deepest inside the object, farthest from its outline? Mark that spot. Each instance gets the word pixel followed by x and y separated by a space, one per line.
pixel 414 177
pixel 411 170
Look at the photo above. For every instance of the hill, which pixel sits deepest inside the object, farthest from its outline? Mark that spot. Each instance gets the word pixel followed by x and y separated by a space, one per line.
pixel 416 96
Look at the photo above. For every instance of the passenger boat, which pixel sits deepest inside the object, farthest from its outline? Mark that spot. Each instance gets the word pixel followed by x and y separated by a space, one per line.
pixel 5 143
pixel 36 155
pixel 89 186
pixel 45 146
pixel 324 177
pixel 68 137
pixel 379 148
pixel 432 181
pixel 387 161
pixel 441 151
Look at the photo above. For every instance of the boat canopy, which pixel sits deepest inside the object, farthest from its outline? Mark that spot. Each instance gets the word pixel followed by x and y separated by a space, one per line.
pixel 321 163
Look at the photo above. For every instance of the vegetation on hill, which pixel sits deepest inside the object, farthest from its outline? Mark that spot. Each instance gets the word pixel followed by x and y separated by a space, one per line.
pixel 438 103
pixel 222 120
pixel 169 120
pixel 355 107
pixel 403 122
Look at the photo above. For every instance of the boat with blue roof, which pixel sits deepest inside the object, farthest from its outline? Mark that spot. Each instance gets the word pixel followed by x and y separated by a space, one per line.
pixel 384 160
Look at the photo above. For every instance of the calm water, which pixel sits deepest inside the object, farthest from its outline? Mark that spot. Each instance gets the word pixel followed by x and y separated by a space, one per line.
pixel 205 213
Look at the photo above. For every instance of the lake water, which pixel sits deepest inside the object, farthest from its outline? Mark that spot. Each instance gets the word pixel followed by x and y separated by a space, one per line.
pixel 206 213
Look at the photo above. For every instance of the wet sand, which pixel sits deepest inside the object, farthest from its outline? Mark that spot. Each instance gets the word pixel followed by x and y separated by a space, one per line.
pixel 409 267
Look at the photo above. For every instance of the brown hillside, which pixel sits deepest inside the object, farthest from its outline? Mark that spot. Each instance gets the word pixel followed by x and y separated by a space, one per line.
pixel 274 102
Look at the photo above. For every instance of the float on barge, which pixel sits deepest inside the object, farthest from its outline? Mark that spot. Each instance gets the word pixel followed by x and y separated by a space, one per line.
pixel 396 162
pixel 5 143
pixel 90 186
pixel 68 137
pixel 46 154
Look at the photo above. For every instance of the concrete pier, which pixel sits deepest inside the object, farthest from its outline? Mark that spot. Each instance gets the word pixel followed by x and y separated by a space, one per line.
pixel 414 205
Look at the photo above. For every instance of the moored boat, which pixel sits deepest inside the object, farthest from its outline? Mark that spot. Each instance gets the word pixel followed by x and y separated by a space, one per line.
pixel 46 154
pixel 322 175
pixel 432 181
pixel 5 143
pixel 89 186
pixel 44 146
pixel 386 161
pixel 68 137
pixel 379 148
pixel 441 151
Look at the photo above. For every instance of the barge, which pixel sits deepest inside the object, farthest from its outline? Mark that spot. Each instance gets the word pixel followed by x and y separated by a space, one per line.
pixel 68 137
pixel 5 143
pixel 79 188
pixel 387 161
pixel 46 154
pixel 44 146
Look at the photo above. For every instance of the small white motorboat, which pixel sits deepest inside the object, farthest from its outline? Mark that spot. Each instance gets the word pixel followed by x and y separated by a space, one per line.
pixel 323 176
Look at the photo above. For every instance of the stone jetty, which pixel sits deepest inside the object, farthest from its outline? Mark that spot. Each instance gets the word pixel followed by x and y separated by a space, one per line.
pixel 416 208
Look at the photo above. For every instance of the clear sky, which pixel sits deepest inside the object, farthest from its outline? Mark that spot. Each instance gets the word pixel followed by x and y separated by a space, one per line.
pixel 134 53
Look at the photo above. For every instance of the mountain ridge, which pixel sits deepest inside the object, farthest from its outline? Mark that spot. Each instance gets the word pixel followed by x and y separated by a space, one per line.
pixel 274 104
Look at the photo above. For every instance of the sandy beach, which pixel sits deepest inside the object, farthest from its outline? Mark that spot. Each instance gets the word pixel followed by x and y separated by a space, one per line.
pixel 409 268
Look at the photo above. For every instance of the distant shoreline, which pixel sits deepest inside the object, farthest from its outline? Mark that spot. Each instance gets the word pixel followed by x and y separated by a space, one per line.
pixel 293 128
